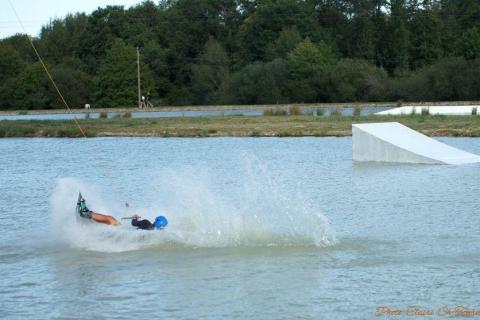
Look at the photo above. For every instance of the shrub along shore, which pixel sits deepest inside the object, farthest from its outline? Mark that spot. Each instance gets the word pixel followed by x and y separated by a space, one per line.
pixel 236 126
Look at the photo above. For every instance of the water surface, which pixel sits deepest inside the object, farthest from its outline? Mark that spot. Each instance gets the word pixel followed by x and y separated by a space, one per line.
pixel 347 111
pixel 265 228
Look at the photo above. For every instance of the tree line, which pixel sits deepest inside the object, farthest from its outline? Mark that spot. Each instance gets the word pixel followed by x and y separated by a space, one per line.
pixel 250 52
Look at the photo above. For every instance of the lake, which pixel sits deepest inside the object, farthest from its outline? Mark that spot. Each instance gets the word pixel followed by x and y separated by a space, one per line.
pixel 346 111
pixel 259 228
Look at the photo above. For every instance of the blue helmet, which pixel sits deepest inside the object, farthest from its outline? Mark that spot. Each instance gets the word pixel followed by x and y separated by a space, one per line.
pixel 160 222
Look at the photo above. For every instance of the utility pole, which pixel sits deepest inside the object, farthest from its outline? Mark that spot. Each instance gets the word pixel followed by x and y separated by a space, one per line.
pixel 138 76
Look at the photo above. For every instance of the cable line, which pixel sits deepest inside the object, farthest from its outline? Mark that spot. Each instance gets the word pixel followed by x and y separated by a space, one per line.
pixel 104 167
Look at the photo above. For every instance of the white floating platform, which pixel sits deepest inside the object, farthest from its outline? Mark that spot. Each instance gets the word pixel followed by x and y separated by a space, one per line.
pixel 433 110
pixel 394 142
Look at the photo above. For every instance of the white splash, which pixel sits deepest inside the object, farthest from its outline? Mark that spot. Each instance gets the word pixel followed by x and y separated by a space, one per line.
pixel 202 211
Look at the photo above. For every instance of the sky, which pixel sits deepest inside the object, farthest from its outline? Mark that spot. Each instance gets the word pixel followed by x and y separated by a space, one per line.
pixel 36 13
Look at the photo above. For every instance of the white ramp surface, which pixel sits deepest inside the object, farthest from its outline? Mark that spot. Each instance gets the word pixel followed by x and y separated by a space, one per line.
pixel 433 110
pixel 394 142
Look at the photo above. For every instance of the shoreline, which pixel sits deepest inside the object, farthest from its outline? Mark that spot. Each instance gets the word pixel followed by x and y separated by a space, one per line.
pixel 235 107
pixel 197 108
pixel 235 126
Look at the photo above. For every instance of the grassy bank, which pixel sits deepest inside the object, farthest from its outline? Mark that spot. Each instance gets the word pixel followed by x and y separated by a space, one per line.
pixel 236 126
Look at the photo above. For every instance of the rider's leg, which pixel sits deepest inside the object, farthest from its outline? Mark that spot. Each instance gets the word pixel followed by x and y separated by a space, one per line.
pixel 103 218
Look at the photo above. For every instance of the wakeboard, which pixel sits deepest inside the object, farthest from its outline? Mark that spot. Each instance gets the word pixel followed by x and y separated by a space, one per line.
pixel 81 209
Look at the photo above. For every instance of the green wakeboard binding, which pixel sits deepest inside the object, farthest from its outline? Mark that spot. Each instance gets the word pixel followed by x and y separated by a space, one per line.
pixel 82 209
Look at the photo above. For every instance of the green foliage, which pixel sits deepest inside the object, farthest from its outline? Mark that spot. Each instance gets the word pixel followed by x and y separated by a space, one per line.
pixel 260 83
pixel 61 37
pixel 157 59
pixel 10 63
pixel 451 79
pixel 242 51
pixel 360 31
pixel 425 38
pixel 104 26
pixel 275 112
pixel 269 18
pixel 33 90
pixel 210 76
pixel 356 80
pixel 307 64
pixel 22 46
pixel 288 40
pixel 116 80
pixel 294 110
pixel 470 43
pixel 335 112
pixel 74 84
pixel 393 47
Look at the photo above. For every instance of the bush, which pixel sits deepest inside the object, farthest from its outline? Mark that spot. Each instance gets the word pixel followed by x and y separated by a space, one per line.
pixel 357 80
pixel 275 112
pixel 357 110
pixel 295 110
pixel 335 112
pixel 450 79
pixel 259 83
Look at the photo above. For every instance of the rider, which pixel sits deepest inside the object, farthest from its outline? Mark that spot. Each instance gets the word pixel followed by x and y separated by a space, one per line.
pixel 141 224
pixel 95 216
pixel 159 223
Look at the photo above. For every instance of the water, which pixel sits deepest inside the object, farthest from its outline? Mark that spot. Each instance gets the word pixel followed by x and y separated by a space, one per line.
pixel 260 228
pixel 347 111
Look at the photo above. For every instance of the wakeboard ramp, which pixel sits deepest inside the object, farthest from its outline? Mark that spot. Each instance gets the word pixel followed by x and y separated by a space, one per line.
pixel 394 142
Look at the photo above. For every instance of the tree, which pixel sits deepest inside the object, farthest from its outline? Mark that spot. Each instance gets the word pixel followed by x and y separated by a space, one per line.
pixel 143 24
pixel 450 79
pixel 157 59
pixel 73 83
pixel 306 64
pixel 189 24
pixel 333 19
pixel 11 63
pixel 33 90
pixel 104 25
pixel 260 83
pixel 393 52
pixel 360 37
pixel 425 36
pixel 116 80
pixel 210 74
pixel 357 80
pixel 288 40
pixel 258 55
pixel 270 17
pixel 60 38
pixel 22 45
pixel 470 43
